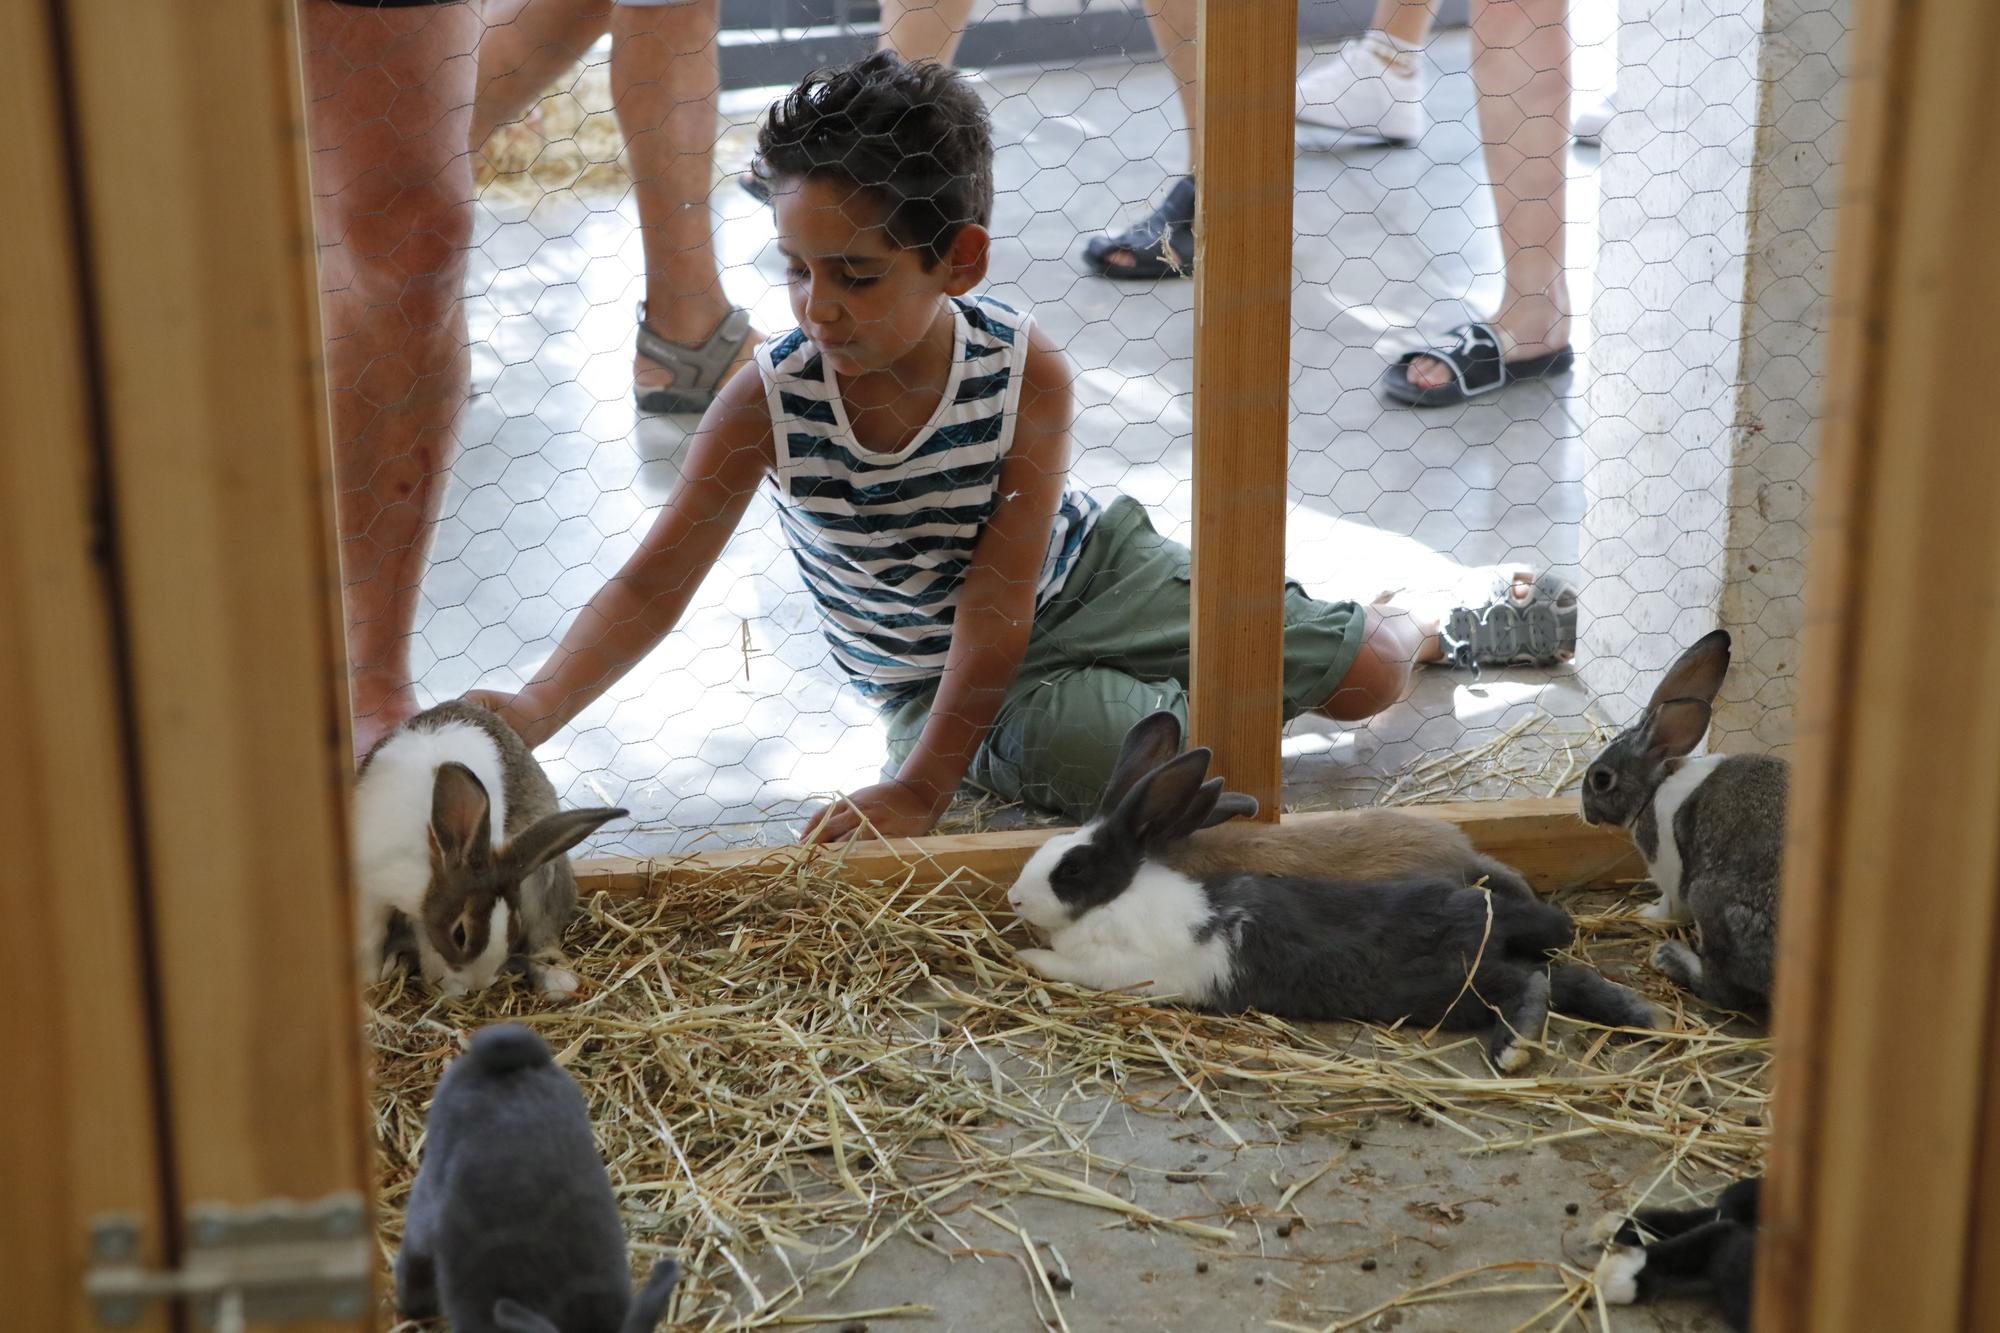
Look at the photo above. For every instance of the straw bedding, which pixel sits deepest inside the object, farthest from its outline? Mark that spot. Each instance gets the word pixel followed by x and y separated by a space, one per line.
pixel 779 1061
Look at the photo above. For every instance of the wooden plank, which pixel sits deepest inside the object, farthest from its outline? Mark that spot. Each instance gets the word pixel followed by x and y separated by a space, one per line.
pixel 1884 1009
pixel 1543 839
pixel 1247 62
pixel 190 137
pixel 78 1121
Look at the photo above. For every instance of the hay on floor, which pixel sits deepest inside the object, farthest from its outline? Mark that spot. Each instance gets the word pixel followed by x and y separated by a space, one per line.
pixel 778 1062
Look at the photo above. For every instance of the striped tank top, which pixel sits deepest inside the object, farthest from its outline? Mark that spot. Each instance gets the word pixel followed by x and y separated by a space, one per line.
pixel 883 540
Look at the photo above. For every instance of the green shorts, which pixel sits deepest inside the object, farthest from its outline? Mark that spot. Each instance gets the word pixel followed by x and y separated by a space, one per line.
pixel 1109 649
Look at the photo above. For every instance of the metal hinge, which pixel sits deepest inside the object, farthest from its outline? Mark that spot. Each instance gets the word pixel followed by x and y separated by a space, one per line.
pixel 271 1262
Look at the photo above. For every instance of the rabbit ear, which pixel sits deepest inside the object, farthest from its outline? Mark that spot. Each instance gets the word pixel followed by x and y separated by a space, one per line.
pixel 461 817
pixel 1696 673
pixel 1159 805
pixel 1198 812
pixel 549 837
pixel 510 1316
pixel 1232 805
pixel 1152 741
pixel 1674 728
pixel 650 1305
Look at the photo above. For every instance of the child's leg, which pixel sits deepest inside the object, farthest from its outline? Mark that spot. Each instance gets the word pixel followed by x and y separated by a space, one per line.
pixel 1057 737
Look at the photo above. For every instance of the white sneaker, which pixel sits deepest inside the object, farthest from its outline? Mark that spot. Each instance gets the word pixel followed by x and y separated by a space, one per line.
pixel 1588 117
pixel 1365 86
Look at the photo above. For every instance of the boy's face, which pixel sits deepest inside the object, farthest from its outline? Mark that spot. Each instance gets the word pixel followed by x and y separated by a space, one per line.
pixel 862 298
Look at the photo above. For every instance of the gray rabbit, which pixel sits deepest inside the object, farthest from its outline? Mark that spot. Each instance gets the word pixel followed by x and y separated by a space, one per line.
pixel 1711 829
pixel 512 1226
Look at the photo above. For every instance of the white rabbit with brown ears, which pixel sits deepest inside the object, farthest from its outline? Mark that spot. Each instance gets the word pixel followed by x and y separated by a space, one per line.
pixel 1712 830
pixel 458 834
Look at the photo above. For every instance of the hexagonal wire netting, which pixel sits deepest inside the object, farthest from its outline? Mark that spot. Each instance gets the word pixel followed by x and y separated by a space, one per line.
pixel 1665 475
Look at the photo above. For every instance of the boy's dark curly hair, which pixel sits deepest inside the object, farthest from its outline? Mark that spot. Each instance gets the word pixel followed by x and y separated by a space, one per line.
pixel 915 135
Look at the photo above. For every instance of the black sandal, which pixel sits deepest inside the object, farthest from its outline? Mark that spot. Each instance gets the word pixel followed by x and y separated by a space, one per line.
pixel 1161 244
pixel 1478 366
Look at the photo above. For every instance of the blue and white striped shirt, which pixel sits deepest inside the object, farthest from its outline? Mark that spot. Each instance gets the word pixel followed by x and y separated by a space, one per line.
pixel 883 540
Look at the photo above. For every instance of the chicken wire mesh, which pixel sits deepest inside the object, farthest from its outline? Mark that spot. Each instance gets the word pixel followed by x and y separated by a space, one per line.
pixel 1665 475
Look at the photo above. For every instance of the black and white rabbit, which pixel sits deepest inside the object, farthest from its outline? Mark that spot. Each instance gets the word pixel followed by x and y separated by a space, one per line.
pixel 1712 830
pixel 512 1225
pixel 1708 1251
pixel 457 832
pixel 1120 917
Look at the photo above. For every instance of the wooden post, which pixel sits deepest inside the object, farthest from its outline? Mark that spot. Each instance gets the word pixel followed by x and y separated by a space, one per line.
pixel 1886 1152
pixel 167 562
pixel 78 1121
pixel 1248 51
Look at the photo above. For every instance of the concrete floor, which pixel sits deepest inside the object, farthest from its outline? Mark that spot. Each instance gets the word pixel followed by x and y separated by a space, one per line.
pixel 737 725
pixel 1402 1206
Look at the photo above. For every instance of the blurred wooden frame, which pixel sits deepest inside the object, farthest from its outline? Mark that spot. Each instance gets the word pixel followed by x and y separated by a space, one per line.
pixel 186 1028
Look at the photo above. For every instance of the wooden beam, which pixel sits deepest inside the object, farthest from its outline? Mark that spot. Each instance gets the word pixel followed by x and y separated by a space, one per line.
pixel 79 1120
pixel 1543 839
pixel 1247 62
pixel 190 142
pixel 1886 1147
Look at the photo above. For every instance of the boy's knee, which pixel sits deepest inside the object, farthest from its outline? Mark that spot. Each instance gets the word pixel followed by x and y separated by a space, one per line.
pixel 1382 671
pixel 1055 747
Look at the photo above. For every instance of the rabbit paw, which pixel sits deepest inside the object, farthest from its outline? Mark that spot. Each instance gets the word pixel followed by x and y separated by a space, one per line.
pixel 557 982
pixel 1661 909
pixel 1681 964
pixel 1043 962
pixel 1513 1057
pixel 1617 1275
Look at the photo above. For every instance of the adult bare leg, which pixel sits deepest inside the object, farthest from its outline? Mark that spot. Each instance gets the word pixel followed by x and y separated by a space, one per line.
pixel 665 79
pixel 1520 65
pixel 528 44
pixel 390 104
pixel 924 29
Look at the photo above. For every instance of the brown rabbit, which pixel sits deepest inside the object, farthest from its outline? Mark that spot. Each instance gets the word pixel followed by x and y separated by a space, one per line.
pixel 1331 844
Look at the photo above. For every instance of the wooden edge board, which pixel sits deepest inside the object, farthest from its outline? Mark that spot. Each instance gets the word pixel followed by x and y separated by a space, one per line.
pixel 1542 838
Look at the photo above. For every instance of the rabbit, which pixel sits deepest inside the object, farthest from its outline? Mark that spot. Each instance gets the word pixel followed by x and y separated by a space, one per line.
pixel 1329 844
pixel 1119 916
pixel 427 804
pixel 1711 829
pixel 1710 1250
pixel 511 1224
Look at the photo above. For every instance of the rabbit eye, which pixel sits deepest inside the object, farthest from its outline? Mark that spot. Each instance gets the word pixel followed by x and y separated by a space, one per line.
pixel 1602 780
pixel 458 936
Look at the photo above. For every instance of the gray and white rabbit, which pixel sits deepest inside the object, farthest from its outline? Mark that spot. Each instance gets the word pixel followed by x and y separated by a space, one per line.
pixel 457 832
pixel 1119 916
pixel 512 1225
pixel 1326 844
pixel 1712 830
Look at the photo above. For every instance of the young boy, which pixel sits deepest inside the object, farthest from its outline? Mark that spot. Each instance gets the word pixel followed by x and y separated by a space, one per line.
pixel 917 437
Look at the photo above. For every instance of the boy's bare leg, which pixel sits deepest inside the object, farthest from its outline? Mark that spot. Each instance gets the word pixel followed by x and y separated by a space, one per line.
pixel 1520 64
pixel 1398 640
pixel 390 105
pixel 528 43
pixel 665 79
pixel 924 29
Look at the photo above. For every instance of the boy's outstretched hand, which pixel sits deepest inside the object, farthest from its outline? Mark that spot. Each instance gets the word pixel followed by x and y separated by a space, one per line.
pixel 892 809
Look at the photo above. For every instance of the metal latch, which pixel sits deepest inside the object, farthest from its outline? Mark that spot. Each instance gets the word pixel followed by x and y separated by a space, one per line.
pixel 275 1261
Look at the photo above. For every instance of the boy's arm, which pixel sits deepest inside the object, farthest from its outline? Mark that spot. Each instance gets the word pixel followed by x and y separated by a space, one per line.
pixel 730 454
pixel 996 612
